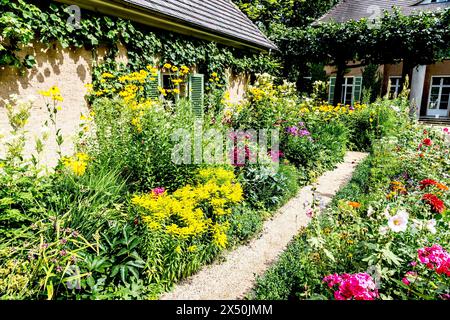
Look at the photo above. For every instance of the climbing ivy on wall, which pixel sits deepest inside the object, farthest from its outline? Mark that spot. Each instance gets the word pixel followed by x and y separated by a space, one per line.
pixel 22 22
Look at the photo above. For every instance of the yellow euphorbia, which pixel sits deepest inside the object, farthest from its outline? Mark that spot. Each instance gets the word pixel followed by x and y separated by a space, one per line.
pixel 193 211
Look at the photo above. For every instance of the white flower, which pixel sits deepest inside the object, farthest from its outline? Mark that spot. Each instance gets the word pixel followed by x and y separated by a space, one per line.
pixel 431 226
pixel 383 230
pixel 399 222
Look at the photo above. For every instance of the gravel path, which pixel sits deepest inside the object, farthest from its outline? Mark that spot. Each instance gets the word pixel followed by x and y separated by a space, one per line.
pixel 233 278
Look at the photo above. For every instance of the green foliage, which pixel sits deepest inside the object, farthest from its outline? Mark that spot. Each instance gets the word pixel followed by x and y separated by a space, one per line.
pixel 382 119
pixel 46 22
pixel 145 157
pixel 354 239
pixel 279 20
pixel 265 188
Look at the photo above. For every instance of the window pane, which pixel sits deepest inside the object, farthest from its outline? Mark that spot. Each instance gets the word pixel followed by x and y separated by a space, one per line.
pixel 350 80
pixel 433 102
pixel 436 81
pixel 435 91
pixel 447 81
pixel 443 105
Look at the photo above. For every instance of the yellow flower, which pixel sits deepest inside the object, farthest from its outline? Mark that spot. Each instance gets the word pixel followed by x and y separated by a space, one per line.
pixel 77 164
pixel 89 87
pixel 185 70
pixel 54 91
pixel 108 75
pixel 58 98
pixel 214 75
pixel 44 93
pixel 59 108
pixel 162 91
pixel 167 66
pixel 178 250
pixel 177 81
pixel 176 91
pixel 174 69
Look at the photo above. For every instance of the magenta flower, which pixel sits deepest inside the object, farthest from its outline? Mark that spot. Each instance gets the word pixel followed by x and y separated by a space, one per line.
pixel 158 191
pixel 435 258
pixel 360 286
pixel 354 286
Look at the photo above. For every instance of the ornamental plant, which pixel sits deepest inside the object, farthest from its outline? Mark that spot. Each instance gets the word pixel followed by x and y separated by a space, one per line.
pixel 196 212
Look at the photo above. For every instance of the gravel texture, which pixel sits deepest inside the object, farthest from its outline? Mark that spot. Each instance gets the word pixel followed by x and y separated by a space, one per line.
pixel 234 277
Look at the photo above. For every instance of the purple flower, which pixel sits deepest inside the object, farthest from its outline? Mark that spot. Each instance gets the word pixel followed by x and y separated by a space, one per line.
pixel 44 246
pixel 62 253
pixel 304 133
pixel 301 124
pixel 294 131
pixel 63 241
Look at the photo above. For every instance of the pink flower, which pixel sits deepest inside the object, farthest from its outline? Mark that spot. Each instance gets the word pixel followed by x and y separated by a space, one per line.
pixel 310 213
pixel 410 276
pixel 435 258
pixel 158 191
pixel 358 286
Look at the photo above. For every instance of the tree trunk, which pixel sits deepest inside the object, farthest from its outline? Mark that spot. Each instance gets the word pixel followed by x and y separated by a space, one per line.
pixel 340 78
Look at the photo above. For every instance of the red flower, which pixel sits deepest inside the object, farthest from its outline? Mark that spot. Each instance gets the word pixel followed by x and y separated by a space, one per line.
pixel 425 132
pixel 426 183
pixel 430 182
pixel 427 142
pixel 436 204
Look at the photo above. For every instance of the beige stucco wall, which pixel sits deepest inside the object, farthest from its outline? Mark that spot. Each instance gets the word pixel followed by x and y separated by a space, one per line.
pixel 70 69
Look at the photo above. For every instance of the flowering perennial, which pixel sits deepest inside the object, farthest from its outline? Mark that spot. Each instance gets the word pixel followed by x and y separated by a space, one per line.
pixel 430 182
pixel 77 164
pixel 358 286
pixel 194 211
pixel 435 258
pixel 436 204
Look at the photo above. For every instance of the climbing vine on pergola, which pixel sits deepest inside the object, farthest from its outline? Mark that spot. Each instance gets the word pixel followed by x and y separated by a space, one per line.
pixel 422 38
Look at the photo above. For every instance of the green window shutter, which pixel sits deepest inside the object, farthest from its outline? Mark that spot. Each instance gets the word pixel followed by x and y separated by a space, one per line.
pixel 357 89
pixel 197 93
pixel 332 87
pixel 153 87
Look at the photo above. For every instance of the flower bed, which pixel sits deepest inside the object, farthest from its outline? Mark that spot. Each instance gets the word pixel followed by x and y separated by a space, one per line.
pixel 386 235
pixel 123 219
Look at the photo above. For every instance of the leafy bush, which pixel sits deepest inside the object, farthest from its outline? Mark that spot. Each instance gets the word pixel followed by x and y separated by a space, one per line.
pixel 141 144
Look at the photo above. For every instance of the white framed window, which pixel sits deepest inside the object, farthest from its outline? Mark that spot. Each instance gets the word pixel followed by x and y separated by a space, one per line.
pixel 347 90
pixel 351 90
pixel 439 98
pixel 395 88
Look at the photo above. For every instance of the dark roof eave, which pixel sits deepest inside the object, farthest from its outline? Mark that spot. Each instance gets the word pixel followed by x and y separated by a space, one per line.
pixel 127 10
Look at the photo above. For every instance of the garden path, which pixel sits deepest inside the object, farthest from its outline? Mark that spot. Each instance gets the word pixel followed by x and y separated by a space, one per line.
pixel 234 276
